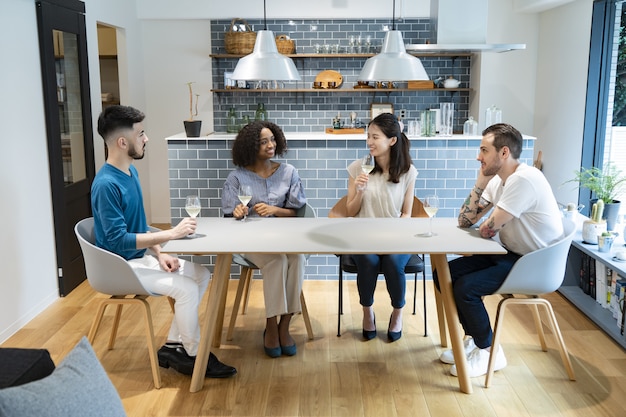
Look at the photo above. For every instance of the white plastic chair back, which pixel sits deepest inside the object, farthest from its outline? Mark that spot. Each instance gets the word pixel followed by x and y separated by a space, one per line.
pixel 107 272
pixel 541 271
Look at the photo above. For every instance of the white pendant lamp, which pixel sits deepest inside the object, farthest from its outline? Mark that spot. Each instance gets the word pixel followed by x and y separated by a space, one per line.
pixel 265 62
pixel 393 63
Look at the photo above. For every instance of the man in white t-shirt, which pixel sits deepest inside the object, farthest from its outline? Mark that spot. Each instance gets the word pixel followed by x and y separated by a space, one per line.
pixel 525 216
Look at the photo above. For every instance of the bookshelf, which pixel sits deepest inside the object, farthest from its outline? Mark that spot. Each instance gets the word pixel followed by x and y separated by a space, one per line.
pixel 571 290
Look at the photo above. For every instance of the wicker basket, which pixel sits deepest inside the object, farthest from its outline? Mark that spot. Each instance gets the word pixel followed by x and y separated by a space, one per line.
pixel 285 45
pixel 237 41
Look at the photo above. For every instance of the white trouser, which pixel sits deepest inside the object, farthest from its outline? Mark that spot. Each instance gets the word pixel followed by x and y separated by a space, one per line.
pixel 187 286
pixel 282 281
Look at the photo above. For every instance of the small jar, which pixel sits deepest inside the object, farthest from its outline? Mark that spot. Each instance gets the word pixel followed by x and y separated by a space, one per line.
pixel 470 127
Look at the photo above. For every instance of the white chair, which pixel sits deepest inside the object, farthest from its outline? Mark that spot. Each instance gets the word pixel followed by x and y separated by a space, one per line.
pixel 245 277
pixel 538 272
pixel 111 274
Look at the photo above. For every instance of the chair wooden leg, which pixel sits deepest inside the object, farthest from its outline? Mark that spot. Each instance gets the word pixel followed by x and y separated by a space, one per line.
pixel 305 317
pixel 559 338
pixel 534 302
pixel 219 320
pixel 539 327
pixel 441 318
pixel 96 321
pixel 152 350
pixel 495 343
pixel 116 324
pixel 246 293
pixel 244 277
pixel 119 302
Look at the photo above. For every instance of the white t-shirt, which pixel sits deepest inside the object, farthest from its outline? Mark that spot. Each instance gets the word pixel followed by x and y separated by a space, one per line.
pixel 528 197
pixel 383 198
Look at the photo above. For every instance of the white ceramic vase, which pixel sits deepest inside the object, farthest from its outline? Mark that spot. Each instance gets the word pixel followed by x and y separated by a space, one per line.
pixel 591 230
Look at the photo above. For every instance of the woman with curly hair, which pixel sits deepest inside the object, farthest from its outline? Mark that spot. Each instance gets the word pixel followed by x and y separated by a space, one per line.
pixel 386 192
pixel 276 192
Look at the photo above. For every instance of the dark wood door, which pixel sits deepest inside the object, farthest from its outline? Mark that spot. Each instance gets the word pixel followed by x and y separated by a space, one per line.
pixel 63 50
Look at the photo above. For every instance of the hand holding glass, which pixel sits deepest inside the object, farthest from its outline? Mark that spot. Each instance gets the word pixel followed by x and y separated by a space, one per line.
pixel 431 205
pixel 367 165
pixel 192 206
pixel 244 195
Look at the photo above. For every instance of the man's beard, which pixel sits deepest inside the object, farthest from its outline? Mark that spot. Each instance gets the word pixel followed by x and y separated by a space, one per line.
pixel 135 155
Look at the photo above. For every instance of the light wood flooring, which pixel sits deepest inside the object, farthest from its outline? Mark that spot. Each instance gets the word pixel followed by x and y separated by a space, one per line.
pixel 344 376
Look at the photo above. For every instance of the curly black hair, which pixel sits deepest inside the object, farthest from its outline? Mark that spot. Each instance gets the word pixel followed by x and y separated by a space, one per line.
pixel 246 145
pixel 400 158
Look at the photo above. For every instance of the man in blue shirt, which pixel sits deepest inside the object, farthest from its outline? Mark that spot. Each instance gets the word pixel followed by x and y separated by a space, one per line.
pixel 121 227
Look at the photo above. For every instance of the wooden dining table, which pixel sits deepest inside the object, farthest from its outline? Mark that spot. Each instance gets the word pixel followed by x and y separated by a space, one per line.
pixel 225 236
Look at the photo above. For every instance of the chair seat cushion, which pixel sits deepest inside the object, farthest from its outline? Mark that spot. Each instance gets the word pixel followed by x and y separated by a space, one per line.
pixel 415 264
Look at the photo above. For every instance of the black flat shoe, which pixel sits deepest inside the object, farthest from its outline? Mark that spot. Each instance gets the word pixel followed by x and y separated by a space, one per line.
pixel 177 358
pixel 393 336
pixel 217 369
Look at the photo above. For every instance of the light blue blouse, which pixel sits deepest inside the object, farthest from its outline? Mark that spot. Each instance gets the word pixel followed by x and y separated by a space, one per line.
pixel 281 189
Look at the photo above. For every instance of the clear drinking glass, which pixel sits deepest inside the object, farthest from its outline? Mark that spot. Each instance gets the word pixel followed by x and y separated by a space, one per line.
pixel 367 165
pixel 431 206
pixel 193 207
pixel 244 195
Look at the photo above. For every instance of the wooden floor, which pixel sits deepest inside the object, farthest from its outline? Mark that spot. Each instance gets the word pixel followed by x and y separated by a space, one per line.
pixel 345 376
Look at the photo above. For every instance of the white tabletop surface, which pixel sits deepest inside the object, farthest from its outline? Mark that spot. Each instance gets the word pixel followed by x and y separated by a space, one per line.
pixel 331 236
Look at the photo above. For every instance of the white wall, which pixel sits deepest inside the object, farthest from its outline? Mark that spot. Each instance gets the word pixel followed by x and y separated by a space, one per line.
pixel 163 50
pixel 561 87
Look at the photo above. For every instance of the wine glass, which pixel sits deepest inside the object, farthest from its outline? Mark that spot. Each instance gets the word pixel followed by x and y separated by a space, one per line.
pixel 192 206
pixel 245 195
pixel 367 165
pixel 431 205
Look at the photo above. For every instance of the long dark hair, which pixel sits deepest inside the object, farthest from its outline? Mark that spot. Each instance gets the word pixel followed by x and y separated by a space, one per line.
pixel 400 158
pixel 247 143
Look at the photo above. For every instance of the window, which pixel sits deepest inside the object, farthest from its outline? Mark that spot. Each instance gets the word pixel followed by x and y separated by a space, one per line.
pixel 605 116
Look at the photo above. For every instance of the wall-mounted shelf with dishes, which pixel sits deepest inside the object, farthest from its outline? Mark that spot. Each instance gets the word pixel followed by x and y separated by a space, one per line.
pixel 333 90
pixel 427 53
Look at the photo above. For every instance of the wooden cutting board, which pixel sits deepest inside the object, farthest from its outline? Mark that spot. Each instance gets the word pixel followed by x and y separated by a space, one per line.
pixel 347 131
pixel 329 75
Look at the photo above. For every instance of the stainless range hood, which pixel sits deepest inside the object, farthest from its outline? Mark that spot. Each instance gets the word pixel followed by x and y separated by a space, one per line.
pixel 464 47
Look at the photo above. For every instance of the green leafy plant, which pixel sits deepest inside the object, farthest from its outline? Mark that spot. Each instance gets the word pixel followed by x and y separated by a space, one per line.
pixel 192 111
pixel 606 184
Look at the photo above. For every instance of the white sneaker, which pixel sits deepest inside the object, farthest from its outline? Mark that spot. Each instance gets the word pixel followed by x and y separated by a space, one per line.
pixel 478 362
pixel 448 357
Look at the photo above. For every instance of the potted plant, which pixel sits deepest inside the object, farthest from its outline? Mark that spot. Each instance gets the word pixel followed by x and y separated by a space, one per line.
pixel 192 127
pixel 606 184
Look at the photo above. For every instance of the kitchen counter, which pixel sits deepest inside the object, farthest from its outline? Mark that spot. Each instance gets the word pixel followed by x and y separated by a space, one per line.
pixel 323 136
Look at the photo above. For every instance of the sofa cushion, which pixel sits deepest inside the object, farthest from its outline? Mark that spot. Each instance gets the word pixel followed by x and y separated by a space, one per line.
pixel 19 366
pixel 79 386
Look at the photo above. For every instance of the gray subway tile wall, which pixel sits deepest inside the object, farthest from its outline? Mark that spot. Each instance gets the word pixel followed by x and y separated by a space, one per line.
pixel 200 166
pixel 313 111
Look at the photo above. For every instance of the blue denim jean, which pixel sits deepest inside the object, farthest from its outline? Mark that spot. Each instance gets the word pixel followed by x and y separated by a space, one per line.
pixel 472 278
pixel 392 267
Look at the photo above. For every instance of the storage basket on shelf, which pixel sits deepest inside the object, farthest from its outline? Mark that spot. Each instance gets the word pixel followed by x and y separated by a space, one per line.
pixel 240 38
pixel 285 45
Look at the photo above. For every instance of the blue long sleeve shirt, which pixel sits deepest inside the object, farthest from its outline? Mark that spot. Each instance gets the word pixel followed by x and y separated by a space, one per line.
pixel 117 205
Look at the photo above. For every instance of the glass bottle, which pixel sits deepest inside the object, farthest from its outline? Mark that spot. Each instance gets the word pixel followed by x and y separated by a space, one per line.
pixel 261 113
pixel 470 127
pixel 244 121
pixel 493 115
pixel 231 123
